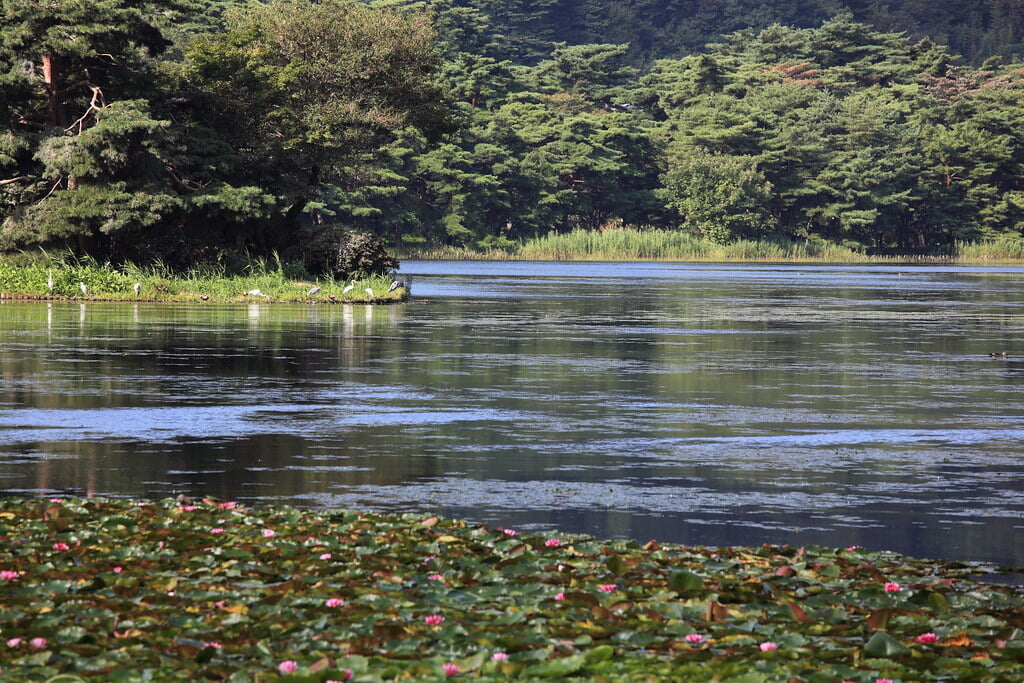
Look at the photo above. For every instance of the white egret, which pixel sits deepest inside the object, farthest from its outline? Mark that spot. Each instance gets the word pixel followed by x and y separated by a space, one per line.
pixel 348 288
pixel 257 292
pixel 369 291
pixel 137 287
pixel 85 290
pixel 49 280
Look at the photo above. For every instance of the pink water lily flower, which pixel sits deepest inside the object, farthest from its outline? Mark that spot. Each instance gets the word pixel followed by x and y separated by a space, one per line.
pixel 187 508
pixel 38 643
pixel 213 643
pixel 13 642
pixel 768 646
pixel 334 602
pixel 288 666
pixel 893 587
pixel 694 638
pixel 560 596
pixel 9 575
pixel 436 577
pixel 269 533
pixel 607 587
pixel 510 532
pixel 61 546
pixel 499 656
pixel 117 570
pixel 216 530
pixel 927 638
pixel 450 669
pixel 552 543
pixel 228 506
pixel 434 620
pixel 325 556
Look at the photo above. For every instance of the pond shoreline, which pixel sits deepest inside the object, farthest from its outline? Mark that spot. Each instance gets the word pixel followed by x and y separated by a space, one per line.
pixel 5 296
pixel 88 281
pixel 101 589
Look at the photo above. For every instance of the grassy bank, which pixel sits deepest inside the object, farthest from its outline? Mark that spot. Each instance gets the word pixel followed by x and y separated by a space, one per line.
pixel 116 590
pixel 662 245
pixel 260 283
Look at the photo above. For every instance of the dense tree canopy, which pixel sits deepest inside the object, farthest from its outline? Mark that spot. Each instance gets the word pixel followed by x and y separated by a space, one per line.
pixel 106 149
pixel 190 130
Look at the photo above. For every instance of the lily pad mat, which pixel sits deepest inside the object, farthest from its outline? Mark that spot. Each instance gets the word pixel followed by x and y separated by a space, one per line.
pixel 125 590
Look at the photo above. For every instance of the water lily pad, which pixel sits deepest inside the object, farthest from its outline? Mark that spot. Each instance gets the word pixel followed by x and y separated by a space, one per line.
pixel 882 644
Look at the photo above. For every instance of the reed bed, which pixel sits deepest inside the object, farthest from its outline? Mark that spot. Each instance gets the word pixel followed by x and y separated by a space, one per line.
pixel 665 245
pixel 648 245
pixel 1006 249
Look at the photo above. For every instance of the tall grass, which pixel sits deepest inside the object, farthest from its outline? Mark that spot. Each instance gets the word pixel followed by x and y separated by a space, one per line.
pixel 450 253
pixel 668 245
pixel 1004 249
pixel 273 280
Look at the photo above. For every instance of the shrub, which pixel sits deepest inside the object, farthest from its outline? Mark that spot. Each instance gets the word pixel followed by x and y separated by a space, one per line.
pixel 344 252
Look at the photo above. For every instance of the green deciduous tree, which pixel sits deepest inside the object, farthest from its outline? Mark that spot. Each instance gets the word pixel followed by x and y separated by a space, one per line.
pixel 719 197
pixel 299 90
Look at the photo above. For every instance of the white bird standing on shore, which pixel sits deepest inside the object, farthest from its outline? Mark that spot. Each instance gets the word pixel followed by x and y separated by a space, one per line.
pixel 257 292
pixel 369 291
pixel 49 280
pixel 137 287
pixel 85 291
pixel 348 288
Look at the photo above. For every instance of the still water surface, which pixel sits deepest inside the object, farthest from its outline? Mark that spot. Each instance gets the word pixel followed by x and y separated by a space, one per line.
pixel 701 404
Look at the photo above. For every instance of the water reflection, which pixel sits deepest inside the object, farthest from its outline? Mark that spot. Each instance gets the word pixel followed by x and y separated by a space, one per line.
pixel 696 404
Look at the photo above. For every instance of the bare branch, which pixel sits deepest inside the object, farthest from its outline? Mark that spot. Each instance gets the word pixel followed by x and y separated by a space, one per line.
pixel 189 185
pixel 16 180
pixel 96 104
pixel 53 189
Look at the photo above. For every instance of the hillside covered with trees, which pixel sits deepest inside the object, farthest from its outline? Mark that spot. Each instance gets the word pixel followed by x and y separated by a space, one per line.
pixel 157 130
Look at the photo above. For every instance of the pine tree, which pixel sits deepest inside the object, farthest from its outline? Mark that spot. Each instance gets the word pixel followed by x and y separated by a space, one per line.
pixel 82 146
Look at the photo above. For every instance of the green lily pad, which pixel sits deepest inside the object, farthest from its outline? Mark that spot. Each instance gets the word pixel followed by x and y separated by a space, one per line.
pixel 882 644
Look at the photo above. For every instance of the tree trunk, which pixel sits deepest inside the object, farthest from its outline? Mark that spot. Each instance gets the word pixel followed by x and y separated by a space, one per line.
pixel 57 111
pixel 290 232
pixel 57 114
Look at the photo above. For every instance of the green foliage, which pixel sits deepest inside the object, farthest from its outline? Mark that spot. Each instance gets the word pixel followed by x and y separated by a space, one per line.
pixel 672 245
pixel 101 590
pixel 136 158
pixel 193 132
pixel 258 280
pixel 344 253
pixel 720 198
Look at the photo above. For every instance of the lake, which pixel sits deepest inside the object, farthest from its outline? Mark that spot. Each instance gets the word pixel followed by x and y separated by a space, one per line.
pixel 701 404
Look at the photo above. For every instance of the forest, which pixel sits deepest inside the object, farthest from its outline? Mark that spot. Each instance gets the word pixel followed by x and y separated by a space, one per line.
pixel 189 132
